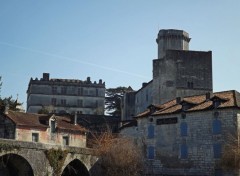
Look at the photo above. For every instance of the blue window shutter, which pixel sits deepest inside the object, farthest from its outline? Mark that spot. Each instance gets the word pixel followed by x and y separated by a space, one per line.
pixel 184 129
pixel 150 131
pixel 184 151
pixel 217 150
pixel 150 152
pixel 217 126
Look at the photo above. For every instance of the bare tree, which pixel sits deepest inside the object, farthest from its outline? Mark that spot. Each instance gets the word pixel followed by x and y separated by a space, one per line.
pixel 118 156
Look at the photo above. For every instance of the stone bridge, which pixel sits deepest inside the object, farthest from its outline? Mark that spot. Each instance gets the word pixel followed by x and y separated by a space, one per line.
pixel 18 158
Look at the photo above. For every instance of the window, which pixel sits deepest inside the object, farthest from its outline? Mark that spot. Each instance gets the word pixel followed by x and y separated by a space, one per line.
pixel 65 140
pixel 80 91
pixel 53 126
pixel 63 90
pixel 184 151
pixel 35 137
pixel 150 131
pixel 96 92
pixel 217 150
pixel 54 90
pixel 150 152
pixel 190 85
pixel 54 101
pixel 184 129
pixel 79 103
pixel 63 102
pixel 217 126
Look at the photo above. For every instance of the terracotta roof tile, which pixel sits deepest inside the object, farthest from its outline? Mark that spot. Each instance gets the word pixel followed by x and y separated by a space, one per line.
pixel 199 102
pixel 34 120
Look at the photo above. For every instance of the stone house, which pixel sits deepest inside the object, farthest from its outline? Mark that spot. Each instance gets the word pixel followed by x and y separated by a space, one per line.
pixel 47 129
pixel 65 96
pixel 187 136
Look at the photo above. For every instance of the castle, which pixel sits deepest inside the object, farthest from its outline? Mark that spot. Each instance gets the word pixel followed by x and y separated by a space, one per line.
pixel 177 72
pixel 65 96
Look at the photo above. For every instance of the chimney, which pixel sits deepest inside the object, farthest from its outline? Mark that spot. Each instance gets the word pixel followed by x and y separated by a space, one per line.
pixel 178 100
pixel 45 76
pixel 209 95
pixel 75 118
pixel 6 107
pixel 88 80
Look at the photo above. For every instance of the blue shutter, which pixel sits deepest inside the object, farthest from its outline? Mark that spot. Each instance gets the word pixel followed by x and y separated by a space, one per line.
pixel 184 129
pixel 150 152
pixel 217 126
pixel 217 150
pixel 184 151
pixel 150 131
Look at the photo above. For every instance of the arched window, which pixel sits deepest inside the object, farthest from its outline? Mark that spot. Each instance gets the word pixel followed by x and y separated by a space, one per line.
pixel 150 131
pixel 184 151
pixel 184 129
pixel 217 126
pixel 150 152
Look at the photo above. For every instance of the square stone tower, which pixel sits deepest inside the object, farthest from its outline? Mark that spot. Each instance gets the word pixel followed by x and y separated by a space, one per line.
pixel 179 72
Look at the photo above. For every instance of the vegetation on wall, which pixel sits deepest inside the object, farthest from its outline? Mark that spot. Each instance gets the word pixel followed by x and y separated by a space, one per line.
pixel 56 158
pixel 4 147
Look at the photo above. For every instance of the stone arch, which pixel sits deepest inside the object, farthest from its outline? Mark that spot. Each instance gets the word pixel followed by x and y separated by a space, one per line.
pixel 15 165
pixel 75 168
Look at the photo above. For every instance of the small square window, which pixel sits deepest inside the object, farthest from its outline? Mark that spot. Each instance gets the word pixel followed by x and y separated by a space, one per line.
pixel 35 137
pixel 65 140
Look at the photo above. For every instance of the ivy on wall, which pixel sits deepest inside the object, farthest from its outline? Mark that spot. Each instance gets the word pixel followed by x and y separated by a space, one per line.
pixel 4 147
pixel 56 158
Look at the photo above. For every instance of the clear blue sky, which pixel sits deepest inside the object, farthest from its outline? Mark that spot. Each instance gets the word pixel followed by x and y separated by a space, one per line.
pixel 113 40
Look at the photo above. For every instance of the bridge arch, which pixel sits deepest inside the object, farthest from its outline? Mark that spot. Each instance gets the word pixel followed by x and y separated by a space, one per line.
pixel 75 168
pixel 14 165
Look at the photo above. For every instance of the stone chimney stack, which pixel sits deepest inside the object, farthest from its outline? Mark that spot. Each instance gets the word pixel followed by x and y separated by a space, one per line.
pixel 75 118
pixel 6 107
pixel 45 76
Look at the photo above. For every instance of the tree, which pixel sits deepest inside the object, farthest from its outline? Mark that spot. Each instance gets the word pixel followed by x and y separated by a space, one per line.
pixel 113 100
pixel 12 103
pixel 118 156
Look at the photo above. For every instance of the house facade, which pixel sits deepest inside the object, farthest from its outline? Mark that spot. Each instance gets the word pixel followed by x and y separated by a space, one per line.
pixel 65 96
pixel 188 136
pixel 47 129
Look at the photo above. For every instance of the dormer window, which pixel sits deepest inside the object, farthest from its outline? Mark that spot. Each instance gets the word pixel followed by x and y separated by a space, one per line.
pixel 216 103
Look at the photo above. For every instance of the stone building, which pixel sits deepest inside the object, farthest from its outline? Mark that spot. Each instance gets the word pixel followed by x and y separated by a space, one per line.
pixel 47 129
pixel 65 96
pixel 177 72
pixel 187 136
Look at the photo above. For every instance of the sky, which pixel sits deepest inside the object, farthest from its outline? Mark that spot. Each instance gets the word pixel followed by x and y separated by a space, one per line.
pixel 112 40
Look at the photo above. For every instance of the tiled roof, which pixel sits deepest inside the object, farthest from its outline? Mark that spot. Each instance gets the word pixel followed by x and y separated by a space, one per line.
pixel 35 121
pixel 227 99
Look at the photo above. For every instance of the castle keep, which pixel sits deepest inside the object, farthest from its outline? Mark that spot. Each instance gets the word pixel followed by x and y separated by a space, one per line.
pixel 177 72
